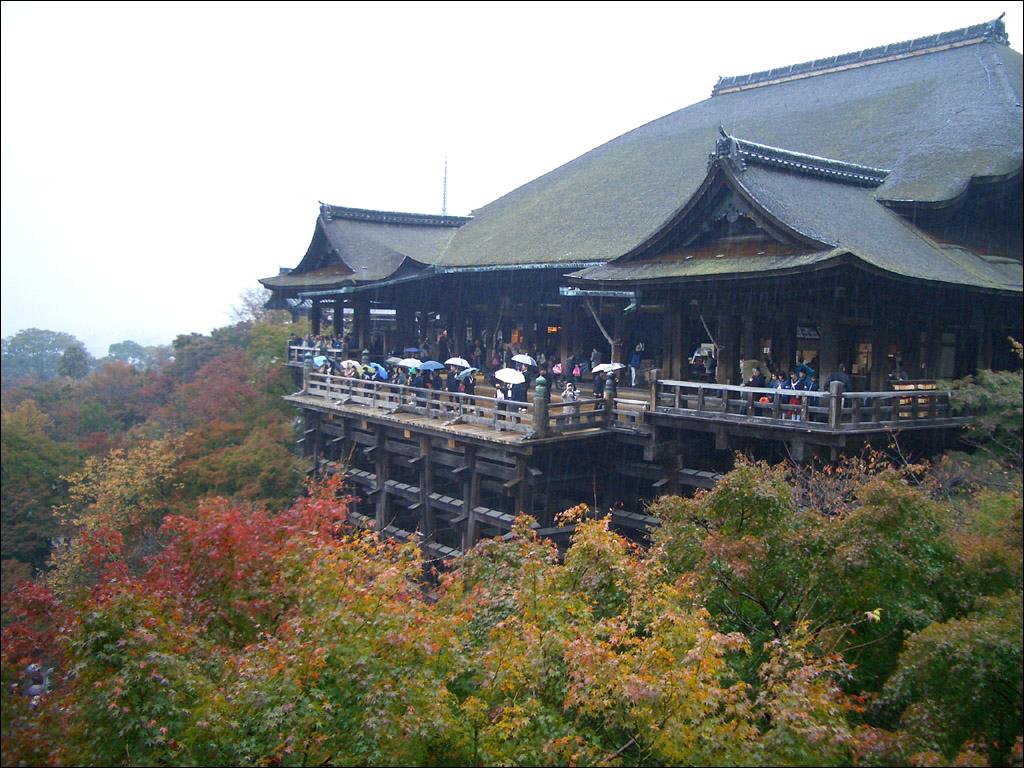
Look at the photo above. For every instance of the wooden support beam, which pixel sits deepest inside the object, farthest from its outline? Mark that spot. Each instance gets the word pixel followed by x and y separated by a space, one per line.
pixel 428 524
pixel 524 489
pixel 471 499
pixel 721 440
pixel 383 468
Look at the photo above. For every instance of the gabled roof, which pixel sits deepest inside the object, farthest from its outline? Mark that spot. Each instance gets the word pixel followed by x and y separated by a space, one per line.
pixel 936 115
pixel 351 246
pixel 825 208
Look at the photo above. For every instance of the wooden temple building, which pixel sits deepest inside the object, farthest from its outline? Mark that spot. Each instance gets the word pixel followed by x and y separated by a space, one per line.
pixel 862 210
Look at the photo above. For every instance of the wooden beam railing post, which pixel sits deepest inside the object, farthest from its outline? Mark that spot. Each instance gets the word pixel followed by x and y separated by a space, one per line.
pixel 835 404
pixel 540 408
pixel 307 369
pixel 609 406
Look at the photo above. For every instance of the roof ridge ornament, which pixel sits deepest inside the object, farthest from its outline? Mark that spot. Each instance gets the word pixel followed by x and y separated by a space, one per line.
pixel 727 147
pixel 741 152
pixel 332 212
pixel 990 32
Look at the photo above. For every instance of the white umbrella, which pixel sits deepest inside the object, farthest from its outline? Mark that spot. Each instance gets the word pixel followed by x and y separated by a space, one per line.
pixel 410 362
pixel 457 361
pixel 524 359
pixel 607 367
pixel 509 376
pixel 350 364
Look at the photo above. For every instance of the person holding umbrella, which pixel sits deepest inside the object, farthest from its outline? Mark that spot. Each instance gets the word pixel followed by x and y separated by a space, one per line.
pixel 454 364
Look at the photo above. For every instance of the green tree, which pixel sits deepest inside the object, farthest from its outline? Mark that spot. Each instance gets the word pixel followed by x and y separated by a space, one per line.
pixel 127 351
pixel 76 362
pixel 34 353
pixel 767 565
pixel 960 681
pixel 33 467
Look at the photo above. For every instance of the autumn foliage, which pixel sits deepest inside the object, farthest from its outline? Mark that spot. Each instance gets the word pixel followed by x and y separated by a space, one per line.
pixel 204 611
pixel 258 637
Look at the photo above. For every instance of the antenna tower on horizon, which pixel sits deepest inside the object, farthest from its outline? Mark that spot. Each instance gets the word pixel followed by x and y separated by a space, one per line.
pixel 444 189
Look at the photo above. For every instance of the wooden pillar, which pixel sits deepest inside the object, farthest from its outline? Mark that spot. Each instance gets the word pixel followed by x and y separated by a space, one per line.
pixel 913 359
pixel 339 317
pixel 932 349
pixel 879 362
pixel 983 330
pixel 361 318
pixel 457 331
pixel 428 524
pixel 828 348
pixel 623 335
pixel 406 321
pixel 619 335
pixel 749 334
pixel 316 437
pixel 567 321
pixel 786 335
pixel 672 344
pixel 382 466
pixel 524 489
pixel 529 316
pixel 470 499
pixel 729 354
pixel 314 317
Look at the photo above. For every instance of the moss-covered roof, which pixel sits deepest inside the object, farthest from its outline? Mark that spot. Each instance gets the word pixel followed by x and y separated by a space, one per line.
pixel 841 216
pixel 351 246
pixel 936 120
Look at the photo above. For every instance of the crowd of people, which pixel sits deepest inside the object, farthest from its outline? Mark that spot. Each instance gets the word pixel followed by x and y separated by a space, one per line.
pixel 567 376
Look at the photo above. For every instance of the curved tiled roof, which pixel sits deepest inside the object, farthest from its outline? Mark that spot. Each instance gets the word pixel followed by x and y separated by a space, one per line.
pixel 355 245
pixel 840 215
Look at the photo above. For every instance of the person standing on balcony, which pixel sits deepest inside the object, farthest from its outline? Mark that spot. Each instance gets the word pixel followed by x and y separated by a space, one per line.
pixel 634 363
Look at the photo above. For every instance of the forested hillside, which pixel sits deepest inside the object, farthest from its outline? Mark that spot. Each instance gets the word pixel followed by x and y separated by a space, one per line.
pixel 206 609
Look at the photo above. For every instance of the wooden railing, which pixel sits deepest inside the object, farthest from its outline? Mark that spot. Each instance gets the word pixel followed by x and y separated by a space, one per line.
pixel 460 408
pixel 833 411
pixel 807 410
pixel 575 415
pixel 505 415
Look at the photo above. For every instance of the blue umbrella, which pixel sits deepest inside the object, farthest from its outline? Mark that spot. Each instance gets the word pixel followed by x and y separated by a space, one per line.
pixel 411 350
pixel 432 365
pixel 463 375
pixel 319 360
pixel 382 373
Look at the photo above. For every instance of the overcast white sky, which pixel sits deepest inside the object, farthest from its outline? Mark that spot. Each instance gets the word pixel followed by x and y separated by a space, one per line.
pixel 158 158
